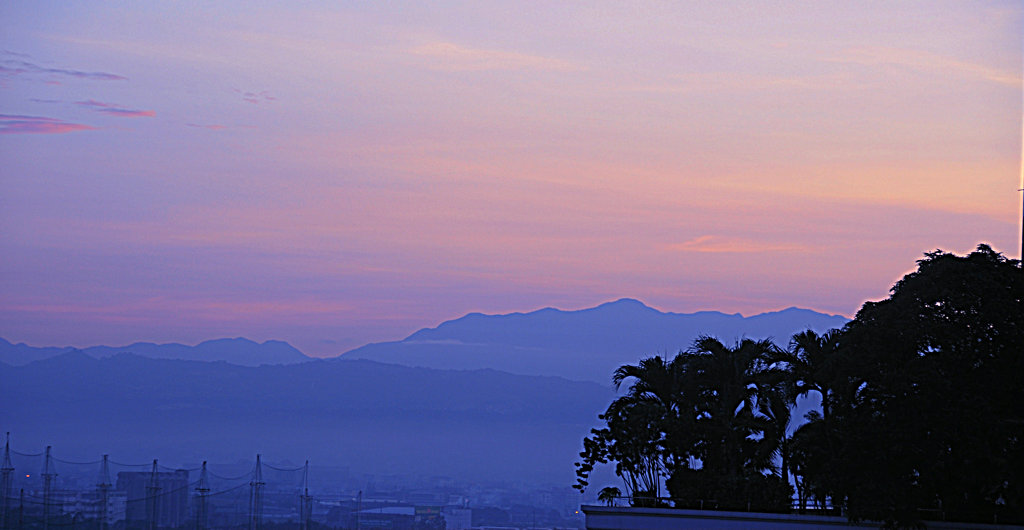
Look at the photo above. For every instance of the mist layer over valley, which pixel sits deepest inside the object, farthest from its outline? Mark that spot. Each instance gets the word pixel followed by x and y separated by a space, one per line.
pixel 416 415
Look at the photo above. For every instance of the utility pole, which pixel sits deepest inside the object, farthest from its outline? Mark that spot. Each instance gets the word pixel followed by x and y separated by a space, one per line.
pixel 49 473
pixel 6 478
pixel 152 495
pixel 1021 188
pixel 359 509
pixel 256 497
pixel 103 487
pixel 202 490
pixel 306 502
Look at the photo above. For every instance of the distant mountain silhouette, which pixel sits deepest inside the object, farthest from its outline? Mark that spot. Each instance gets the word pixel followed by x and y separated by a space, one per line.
pixel 587 344
pixel 372 417
pixel 239 351
pixel 474 422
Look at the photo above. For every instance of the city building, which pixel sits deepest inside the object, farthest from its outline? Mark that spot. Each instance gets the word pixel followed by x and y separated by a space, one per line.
pixel 456 518
pixel 87 505
pixel 167 498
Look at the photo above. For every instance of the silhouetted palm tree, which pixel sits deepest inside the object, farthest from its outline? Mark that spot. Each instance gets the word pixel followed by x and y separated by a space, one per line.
pixel 608 495
pixel 733 381
pixel 655 378
pixel 712 420
pixel 666 383
pixel 811 359
pixel 779 407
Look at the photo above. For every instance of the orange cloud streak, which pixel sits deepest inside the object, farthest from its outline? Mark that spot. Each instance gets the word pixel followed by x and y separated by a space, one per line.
pixel 717 244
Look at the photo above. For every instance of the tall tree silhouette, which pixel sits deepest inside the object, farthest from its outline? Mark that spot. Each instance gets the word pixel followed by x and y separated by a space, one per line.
pixel 811 361
pixel 667 383
pixel 927 409
pixel 732 382
pixel 707 421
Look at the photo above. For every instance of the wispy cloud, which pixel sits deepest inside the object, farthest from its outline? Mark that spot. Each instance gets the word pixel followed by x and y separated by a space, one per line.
pixel 453 57
pixel 924 61
pixel 718 244
pixel 715 82
pixel 17 124
pixel 212 126
pixel 13 67
pixel 255 98
pixel 115 110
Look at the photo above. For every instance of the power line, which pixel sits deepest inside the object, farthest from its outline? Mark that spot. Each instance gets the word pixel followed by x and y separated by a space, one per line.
pixel 127 465
pixel 290 469
pixel 27 454
pixel 247 474
pixel 94 462
pixel 191 469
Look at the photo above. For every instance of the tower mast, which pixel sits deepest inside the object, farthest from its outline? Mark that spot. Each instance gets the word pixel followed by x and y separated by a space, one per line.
pixel 203 489
pixel 104 490
pixel 152 498
pixel 256 497
pixel 6 478
pixel 306 506
pixel 49 473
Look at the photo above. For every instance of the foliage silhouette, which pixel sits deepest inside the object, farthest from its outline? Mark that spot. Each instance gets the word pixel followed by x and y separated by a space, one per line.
pixel 713 416
pixel 608 495
pixel 927 408
pixel 922 408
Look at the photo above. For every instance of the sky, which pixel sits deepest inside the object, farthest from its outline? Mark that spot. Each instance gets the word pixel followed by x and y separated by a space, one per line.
pixel 332 174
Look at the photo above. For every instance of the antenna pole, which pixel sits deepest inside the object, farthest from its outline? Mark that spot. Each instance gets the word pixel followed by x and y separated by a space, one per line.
pixel 104 490
pixel 203 489
pixel 49 473
pixel 1021 189
pixel 256 497
pixel 152 498
pixel 6 478
pixel 306 508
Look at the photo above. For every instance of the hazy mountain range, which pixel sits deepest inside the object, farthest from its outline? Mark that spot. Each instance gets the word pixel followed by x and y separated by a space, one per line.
pixel 146 400
pixel 371 417
pixel 588 344
pixel 239 351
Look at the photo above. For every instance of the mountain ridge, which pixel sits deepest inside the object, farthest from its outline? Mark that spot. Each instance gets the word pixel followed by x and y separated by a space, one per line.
pixel 585 344
pixel 529 343
pixel 238 350
pixel 520 394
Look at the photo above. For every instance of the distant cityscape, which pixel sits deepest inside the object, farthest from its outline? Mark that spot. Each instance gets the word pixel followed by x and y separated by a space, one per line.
pixel 40 490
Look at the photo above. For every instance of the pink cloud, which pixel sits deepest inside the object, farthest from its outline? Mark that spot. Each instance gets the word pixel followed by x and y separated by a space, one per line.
pixel 453 57
pixel 16 124
pixel 718 244
pixel 115 110
pixel 212 127
pixel 927 62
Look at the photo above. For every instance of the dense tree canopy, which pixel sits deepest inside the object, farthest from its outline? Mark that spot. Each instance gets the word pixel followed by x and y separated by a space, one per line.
pixel 710 421
pixel 922 408
pixel 928 397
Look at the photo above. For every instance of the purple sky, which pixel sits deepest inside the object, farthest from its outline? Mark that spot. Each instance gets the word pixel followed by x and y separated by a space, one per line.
pixel 332 176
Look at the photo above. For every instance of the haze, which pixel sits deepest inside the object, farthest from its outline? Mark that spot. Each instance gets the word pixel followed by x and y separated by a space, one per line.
pixel 333 176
